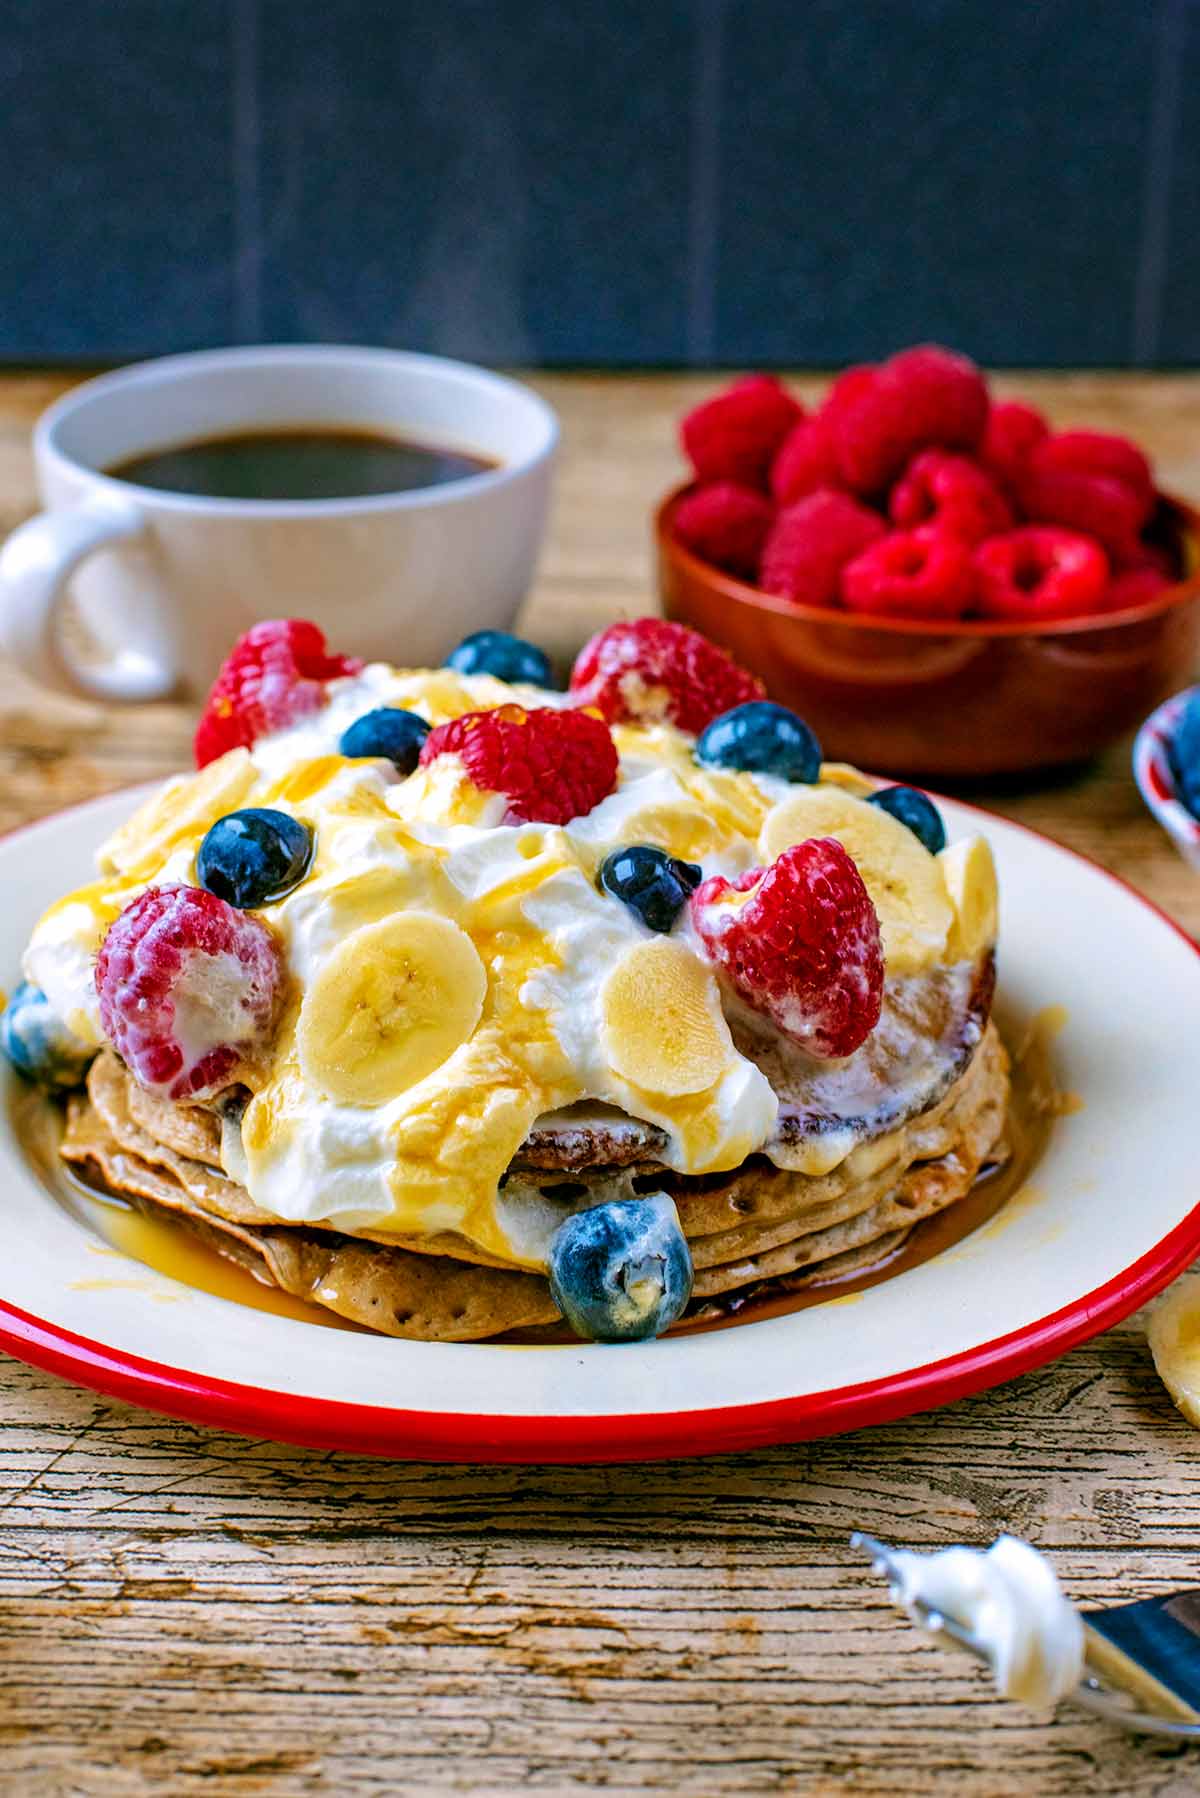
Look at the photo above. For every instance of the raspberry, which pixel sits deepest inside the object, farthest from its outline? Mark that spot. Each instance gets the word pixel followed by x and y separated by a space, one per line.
pixel 1154 556
pixel 551 765
pixel 811 542
pixel 1040 573
pixel 1099 452
pixel 272 676
pixel 1134 587
pixel 952 492
pixel 734 436
pixel 805 461
pixel 1094 504
pixel 924 573
pixel 1012 430
pixel 724 524
pixel 923 396
pixel 847 388
pixel 807 458
pixel 649 670
pixel 1095 484
pixel 804 948
pixel 189 988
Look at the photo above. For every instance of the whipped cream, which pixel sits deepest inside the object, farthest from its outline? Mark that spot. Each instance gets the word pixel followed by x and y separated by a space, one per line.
pixel 432 1157
pixel 1009 1597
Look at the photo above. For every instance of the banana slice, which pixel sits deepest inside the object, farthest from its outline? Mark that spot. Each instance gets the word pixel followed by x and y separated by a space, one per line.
pixel 391 1004
pixel 843 774
pixel 903 879
pixel 662 1023
pixel 970 875
pixel 414 884
pixel 683 828
pixel 1174 1335
pixel 179 813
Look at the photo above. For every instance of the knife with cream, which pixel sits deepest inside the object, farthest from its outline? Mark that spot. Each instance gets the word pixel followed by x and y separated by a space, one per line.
pixel 1137 1664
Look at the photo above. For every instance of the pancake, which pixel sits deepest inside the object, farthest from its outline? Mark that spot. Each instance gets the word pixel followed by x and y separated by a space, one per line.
pixel 925 1188
pixel 190 1130
pixel 759 1226
pixel 753 1209
pixel 390 1290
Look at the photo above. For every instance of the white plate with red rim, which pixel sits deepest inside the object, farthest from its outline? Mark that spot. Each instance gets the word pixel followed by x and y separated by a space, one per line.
pixel 1110 1217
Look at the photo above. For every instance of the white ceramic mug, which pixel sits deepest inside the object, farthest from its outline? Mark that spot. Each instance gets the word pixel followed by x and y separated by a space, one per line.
pixel 164 582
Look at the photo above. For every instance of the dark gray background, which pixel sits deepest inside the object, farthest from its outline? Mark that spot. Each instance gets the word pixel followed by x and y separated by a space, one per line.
pixel 602 181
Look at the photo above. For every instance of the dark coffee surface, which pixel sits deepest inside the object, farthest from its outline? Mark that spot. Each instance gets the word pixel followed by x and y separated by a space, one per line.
pixel 298 465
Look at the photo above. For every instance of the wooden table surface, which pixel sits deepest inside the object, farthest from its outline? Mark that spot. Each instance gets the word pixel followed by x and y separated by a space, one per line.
pixel 186 1612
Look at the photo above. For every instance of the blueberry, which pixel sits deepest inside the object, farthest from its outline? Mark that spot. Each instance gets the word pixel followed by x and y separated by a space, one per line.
pixel 390 733
pixel 38 1043
pixel 912 808
pixel 765 738
pixel 1183 755
pixel 621 1271
pixel 253 857
pixel 508 658
pixel 654 885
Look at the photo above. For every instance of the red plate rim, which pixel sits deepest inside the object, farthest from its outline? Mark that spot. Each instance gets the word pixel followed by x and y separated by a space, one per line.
pixel 476 1437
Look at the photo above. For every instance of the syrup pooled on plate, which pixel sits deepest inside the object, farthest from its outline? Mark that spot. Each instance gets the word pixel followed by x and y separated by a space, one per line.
pixel 155 1241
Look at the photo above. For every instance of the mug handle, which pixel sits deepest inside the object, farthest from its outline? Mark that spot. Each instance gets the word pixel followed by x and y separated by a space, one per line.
pixel 36 563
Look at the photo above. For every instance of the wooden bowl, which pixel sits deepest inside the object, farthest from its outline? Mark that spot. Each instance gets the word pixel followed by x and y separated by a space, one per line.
pixel 957 699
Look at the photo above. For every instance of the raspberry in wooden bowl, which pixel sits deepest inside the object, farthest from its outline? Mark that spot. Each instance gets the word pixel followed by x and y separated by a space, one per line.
pixel 941 585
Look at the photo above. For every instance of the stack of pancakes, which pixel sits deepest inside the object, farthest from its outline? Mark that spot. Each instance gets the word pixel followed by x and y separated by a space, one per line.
pixel 916 1147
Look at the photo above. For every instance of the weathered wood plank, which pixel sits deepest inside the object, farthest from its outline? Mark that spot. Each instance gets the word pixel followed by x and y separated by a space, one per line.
pixel 185 1612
